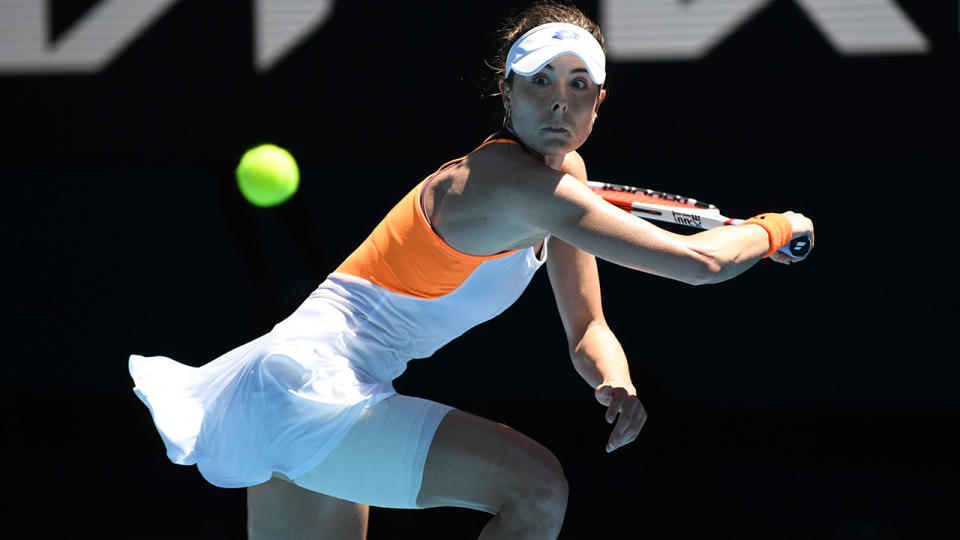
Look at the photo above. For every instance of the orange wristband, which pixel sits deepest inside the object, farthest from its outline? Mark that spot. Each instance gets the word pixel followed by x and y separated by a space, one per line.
pixel 777 227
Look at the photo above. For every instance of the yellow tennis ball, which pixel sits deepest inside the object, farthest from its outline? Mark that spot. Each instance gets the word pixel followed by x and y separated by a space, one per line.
pixel 267 175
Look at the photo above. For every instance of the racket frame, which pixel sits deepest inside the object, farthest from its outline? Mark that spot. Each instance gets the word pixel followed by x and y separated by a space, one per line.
pixel 694 213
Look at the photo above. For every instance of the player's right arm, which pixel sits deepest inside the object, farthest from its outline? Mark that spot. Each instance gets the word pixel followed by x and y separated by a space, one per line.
pixel 560 205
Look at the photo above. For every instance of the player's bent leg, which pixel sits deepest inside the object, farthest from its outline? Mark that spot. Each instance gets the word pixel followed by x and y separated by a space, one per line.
pixel 480 464
pixel 379 462
pixel 408 452
pixel 279 510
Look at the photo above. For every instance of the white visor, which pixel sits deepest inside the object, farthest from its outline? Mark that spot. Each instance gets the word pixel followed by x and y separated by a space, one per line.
pixel 540 46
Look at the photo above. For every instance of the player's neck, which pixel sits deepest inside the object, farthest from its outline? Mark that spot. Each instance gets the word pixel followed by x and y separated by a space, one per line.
pixel 552 161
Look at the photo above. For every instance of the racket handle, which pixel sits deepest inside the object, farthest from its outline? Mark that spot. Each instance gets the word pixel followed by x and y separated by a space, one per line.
pixel 797 247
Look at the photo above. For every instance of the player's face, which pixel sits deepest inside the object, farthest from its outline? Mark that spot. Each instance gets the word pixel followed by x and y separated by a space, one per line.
pixel 553 110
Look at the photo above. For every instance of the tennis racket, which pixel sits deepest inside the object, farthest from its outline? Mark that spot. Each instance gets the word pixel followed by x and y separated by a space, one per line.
pixel 660 206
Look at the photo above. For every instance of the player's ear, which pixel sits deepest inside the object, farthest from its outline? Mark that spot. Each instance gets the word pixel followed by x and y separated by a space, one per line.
pixel 600 98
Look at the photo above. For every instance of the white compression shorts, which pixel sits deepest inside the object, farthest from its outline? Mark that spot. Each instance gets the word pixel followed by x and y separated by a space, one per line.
pixel 380 461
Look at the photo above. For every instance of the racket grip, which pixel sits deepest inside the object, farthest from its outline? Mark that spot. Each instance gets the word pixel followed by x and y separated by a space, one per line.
pixel 797 247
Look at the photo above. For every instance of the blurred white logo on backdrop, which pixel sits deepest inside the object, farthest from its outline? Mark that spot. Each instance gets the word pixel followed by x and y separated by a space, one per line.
pixel 636 30
pixel 104 31
pixel 646 30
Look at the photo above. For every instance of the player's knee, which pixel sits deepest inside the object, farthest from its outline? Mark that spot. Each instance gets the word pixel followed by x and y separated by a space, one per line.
pixel 547 501
pixel 541 492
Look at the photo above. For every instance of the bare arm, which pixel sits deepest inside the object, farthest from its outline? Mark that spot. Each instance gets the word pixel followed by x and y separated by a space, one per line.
pixel 559 204
pixel 597 355
pixel 595 351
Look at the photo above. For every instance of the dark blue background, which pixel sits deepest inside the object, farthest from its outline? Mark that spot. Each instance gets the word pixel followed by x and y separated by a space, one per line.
pixel 815 401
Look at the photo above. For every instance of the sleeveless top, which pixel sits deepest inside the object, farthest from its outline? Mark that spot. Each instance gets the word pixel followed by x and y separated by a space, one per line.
pixel 283 401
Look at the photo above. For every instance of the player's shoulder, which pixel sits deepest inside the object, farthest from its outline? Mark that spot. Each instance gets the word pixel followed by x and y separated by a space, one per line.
pixel 513 159
pixel 574 165
pixel 504 160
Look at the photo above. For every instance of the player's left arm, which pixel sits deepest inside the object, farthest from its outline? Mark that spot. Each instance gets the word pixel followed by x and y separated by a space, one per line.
pixel 596 353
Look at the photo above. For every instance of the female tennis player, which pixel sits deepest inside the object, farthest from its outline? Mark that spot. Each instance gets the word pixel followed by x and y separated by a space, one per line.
pixel 306 416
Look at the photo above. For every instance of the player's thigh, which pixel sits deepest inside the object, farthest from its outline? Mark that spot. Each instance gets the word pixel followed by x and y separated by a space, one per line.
pixel 477 463
pixel 281 510
pixel 380 460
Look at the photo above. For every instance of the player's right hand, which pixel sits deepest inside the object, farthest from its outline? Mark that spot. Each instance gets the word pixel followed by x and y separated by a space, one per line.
pixel 801 226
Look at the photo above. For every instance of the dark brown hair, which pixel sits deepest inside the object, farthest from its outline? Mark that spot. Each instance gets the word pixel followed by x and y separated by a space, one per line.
pixel 544 12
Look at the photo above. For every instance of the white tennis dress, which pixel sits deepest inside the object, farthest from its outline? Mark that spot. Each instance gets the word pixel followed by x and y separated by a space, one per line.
pixel 283 401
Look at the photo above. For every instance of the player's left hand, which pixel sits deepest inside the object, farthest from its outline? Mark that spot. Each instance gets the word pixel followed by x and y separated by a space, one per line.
pixel 623 401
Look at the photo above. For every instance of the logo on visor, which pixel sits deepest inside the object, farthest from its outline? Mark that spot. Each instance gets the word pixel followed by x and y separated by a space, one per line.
pixel 566 34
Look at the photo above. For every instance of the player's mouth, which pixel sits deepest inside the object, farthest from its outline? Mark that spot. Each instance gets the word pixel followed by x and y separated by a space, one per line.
pixel 556 129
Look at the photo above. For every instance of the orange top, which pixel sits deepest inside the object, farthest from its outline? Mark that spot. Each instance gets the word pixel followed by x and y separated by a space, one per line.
pixel 405 255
